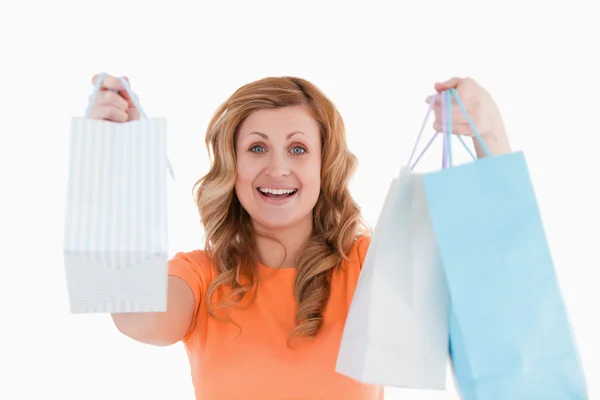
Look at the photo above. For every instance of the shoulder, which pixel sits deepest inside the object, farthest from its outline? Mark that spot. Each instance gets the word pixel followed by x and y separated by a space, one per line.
pixel 361 244
pixel 348 273
pixel 358 251
pixel 197 258
pixel 194 267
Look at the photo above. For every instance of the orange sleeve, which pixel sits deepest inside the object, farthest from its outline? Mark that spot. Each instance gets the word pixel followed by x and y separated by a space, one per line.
pixel 362 245
pixel 194 269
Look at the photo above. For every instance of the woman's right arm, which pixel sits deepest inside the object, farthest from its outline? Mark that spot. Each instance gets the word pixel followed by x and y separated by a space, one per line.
pixel 155 328
pixel 161 328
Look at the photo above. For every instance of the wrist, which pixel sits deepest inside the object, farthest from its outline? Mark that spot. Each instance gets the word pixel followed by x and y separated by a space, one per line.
pixel 496 142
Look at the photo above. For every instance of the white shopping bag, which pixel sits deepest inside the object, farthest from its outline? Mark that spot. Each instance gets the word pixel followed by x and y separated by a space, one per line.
pixel 115 243
pixel 396 332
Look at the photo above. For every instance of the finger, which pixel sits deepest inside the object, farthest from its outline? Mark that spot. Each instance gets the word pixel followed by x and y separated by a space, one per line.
pixel 458 129
pixel 133 113
pixel 449 84
pixel 437 110
pixel 111 98
pixel 456 113
pixel 438 100
pixel 126 95
pixel 457 118
pixel 127 98
pixel 109 83
pixel 109 113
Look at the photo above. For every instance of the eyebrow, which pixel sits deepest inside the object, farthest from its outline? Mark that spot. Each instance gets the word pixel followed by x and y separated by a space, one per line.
pixel 266 137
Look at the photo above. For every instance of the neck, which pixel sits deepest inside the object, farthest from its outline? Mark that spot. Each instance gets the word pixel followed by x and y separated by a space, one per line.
pixel 280 247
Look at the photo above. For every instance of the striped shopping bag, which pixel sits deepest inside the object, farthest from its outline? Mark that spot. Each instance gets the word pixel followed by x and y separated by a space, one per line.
pixel 115 235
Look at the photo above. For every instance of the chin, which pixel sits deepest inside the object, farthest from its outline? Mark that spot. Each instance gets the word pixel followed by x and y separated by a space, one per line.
pixel 279 222
pixel 275 223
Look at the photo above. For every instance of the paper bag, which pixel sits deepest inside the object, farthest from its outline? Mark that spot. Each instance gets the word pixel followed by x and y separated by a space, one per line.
pixel 115 241
pixel 396 332
pixel 510 333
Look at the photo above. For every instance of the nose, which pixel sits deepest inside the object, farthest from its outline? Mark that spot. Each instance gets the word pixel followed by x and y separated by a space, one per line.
pixel 277 166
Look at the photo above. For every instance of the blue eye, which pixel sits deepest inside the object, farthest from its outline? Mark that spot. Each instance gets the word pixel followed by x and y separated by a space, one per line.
pixel 257 149
pixel 298 150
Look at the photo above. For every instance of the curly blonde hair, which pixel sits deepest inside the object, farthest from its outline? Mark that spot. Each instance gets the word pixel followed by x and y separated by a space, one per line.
pixel 229 234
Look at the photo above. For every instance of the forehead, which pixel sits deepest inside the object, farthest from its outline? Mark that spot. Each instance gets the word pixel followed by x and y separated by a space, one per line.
pixel 280 122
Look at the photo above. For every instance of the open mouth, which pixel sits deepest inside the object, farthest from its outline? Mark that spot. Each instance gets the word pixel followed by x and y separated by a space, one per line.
pixel 276 194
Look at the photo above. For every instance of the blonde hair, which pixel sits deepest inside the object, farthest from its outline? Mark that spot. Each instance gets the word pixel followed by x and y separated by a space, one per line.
pixel 229 234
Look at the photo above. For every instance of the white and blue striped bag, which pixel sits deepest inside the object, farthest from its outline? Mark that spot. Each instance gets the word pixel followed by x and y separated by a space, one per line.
pixel 115 243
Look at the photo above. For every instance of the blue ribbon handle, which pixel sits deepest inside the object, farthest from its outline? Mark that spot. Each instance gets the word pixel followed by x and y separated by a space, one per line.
pixel 134 99
pixel 449 94
pixel 446 100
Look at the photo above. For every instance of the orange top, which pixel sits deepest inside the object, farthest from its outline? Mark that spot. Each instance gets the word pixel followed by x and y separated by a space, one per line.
pixel 256 362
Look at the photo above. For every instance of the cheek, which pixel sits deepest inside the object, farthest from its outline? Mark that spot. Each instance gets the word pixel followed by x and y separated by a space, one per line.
pixel 243 183
pixel 245 176
pixel 311 177
pixel 246 168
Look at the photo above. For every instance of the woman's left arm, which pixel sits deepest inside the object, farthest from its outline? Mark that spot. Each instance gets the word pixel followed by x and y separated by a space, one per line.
pixel 483 111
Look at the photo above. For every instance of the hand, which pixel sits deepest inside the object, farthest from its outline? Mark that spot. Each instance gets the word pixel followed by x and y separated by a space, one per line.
pixel 483 112
pixel 113 106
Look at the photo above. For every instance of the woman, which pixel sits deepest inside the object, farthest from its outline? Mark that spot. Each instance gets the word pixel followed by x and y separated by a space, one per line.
pixel 261 311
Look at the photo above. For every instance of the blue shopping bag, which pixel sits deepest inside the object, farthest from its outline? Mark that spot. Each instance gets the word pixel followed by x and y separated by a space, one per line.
pixel 510 335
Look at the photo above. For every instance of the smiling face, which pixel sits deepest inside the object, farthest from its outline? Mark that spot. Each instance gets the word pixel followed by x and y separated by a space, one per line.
pixel 279 166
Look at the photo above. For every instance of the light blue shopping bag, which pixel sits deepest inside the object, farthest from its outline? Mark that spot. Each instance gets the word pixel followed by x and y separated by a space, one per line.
pixel 510 335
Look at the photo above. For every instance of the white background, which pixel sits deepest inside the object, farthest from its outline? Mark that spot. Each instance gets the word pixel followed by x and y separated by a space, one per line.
pixel 376 60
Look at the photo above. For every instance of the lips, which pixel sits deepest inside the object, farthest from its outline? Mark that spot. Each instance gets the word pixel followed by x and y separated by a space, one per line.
pixel 276 196
pixel 276 193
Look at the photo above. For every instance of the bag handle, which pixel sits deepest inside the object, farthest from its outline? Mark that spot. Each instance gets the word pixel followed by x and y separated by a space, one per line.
pixel 412 153
pixel 447 137
pixel 449 94
pixel 446 102
pixel 134 99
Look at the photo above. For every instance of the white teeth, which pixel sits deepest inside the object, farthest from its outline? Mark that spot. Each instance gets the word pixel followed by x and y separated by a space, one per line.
pixel 277 191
